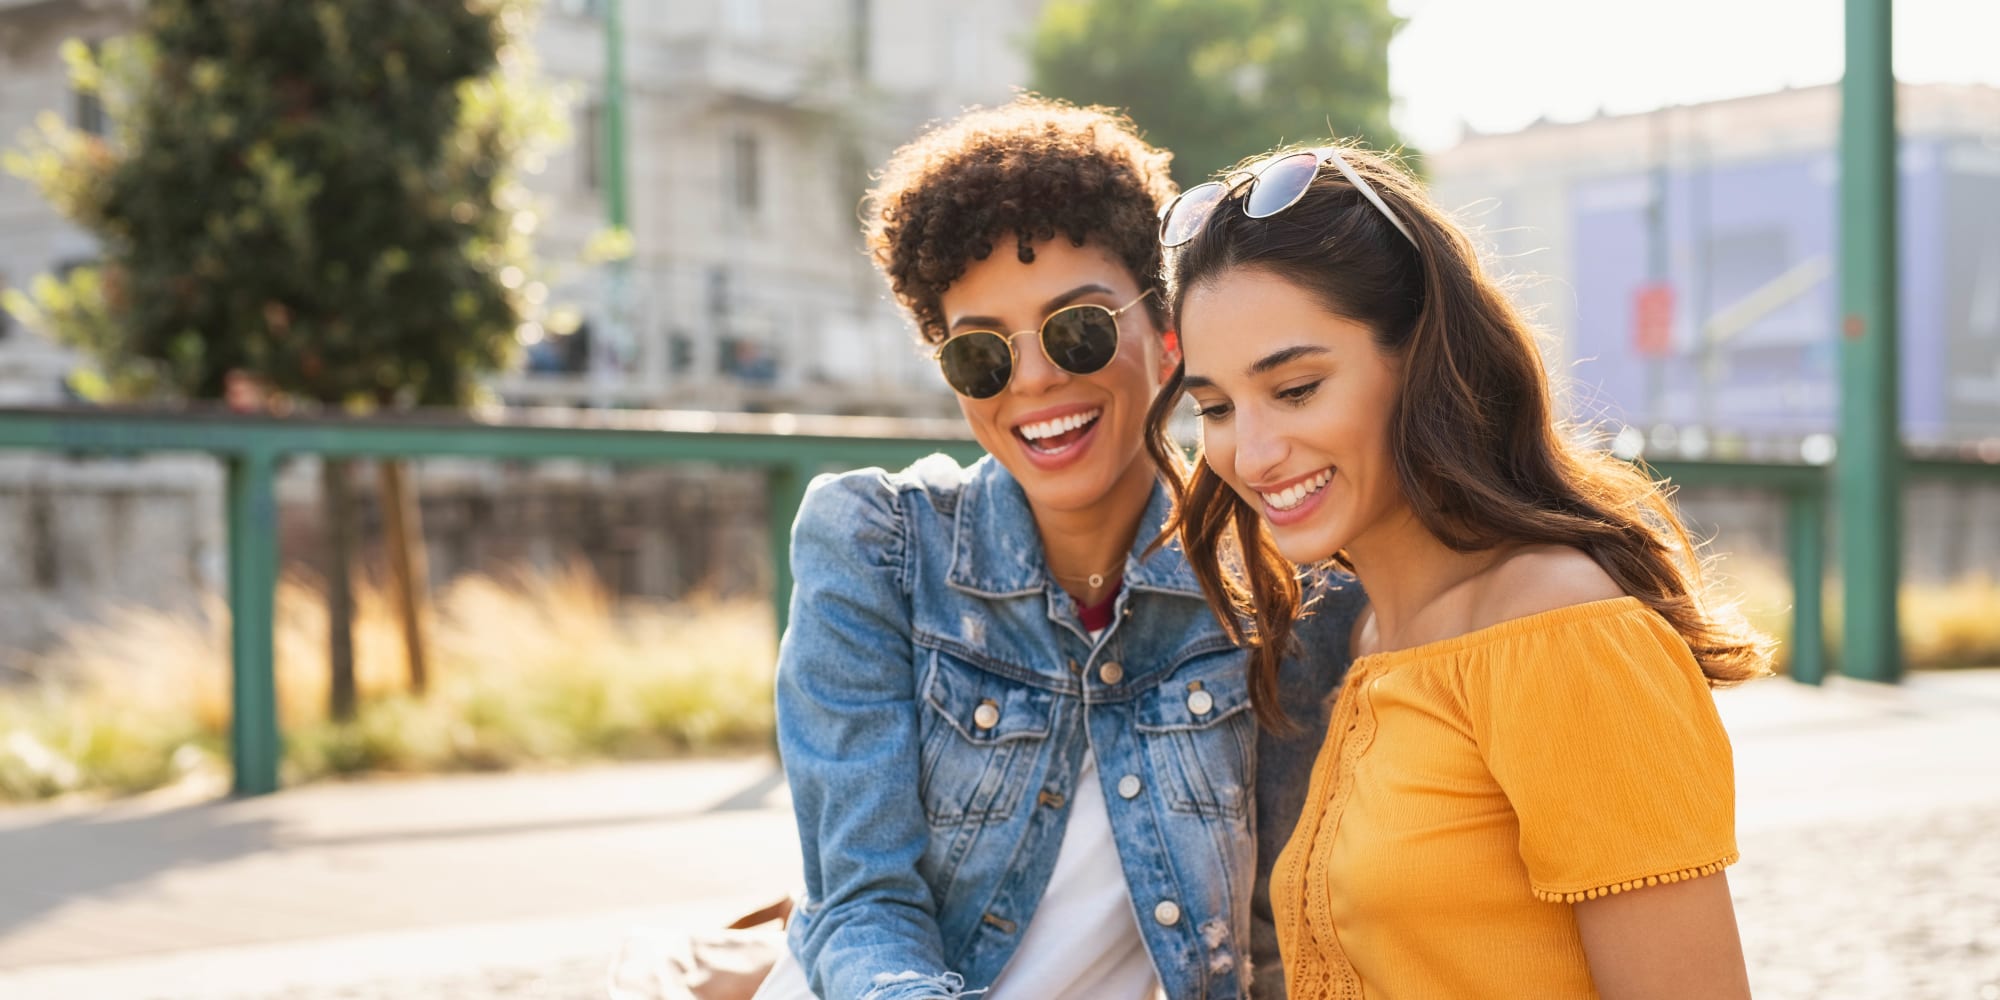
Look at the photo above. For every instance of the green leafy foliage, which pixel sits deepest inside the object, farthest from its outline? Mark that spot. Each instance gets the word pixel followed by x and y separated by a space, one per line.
pixel 319 194
pixel 1219 80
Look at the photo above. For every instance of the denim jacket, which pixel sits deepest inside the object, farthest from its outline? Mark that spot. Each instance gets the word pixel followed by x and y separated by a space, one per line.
pixel 936 693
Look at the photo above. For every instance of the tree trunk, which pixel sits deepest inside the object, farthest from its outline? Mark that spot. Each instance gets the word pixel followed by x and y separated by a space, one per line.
pixel 409 575
pixel 337 510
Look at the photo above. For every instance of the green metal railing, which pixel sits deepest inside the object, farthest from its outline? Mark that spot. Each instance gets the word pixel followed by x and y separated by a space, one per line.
pixel 788 449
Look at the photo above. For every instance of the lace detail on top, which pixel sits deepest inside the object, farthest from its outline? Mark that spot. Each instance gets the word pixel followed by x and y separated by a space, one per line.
pixel 1316 966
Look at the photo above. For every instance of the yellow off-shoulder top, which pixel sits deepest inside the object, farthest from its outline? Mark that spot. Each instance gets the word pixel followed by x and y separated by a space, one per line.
pixel 1470 790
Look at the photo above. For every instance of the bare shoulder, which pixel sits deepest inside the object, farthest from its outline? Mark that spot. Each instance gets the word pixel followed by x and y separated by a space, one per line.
pixel 1539 578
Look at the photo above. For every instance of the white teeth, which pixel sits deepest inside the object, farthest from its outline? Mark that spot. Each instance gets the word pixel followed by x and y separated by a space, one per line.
pixel 1296 494
pixel 1051 428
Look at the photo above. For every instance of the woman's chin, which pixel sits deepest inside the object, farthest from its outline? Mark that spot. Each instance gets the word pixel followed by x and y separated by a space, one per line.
pixel 1306 544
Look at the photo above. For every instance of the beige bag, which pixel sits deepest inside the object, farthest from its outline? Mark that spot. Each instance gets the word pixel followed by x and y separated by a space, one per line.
pixel 727 964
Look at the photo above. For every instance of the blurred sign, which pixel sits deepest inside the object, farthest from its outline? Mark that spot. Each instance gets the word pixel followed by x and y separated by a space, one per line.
pixel 1653 320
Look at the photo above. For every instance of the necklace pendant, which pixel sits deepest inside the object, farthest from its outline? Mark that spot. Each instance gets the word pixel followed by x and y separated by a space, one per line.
pixel 1096 580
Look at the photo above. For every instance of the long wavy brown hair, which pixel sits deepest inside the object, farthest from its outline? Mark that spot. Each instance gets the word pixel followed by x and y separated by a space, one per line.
pixel 1480 455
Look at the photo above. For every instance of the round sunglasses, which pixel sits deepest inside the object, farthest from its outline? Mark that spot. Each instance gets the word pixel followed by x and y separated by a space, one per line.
pixel 1079 339
pixel 1269 188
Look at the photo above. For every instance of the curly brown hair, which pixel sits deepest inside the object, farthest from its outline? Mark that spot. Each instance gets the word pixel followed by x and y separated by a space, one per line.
pixel 1031 168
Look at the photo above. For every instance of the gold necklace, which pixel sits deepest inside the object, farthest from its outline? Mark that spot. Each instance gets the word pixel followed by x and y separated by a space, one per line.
pixel 1095 580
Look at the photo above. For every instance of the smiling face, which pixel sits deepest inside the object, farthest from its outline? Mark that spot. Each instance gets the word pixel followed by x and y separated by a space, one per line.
pixel 1068 439
pixel 1295 403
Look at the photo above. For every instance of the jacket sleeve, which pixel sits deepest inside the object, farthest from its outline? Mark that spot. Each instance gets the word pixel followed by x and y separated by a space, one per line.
pixel 847 732
pixel 1307 683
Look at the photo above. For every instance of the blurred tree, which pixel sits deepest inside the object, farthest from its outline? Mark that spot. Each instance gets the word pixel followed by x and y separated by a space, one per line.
pixel 1218 80
pixel 318 196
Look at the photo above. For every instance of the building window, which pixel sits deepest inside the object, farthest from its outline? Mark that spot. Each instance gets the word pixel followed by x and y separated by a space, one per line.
pixel 743 19
pixel 89 106
pixel 590 146
pixel 851 174
pixel 858 28
pixel 746 189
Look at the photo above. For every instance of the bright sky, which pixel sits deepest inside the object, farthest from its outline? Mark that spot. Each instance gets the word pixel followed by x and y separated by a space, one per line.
pixel 1497 65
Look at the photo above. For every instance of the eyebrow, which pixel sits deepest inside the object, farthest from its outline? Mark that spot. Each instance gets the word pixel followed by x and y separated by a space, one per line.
pixel 1285 356
pixel 1066 298
pixel 1275 359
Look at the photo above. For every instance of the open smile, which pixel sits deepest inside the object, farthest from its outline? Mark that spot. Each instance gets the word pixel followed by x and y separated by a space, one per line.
pixel 1054 439
pixel 1054 436
pixel 1290 503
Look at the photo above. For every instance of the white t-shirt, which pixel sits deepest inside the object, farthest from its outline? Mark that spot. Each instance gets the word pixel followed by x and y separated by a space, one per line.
pixel 1083 943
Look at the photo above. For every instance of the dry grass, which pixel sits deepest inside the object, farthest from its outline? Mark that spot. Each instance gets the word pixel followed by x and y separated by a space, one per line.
pixel 1944 625
pixel 549 668
pixel 526 667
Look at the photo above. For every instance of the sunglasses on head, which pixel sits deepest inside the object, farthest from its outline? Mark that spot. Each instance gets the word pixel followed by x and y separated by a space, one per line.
pixel 1268 188
pixel 1078 339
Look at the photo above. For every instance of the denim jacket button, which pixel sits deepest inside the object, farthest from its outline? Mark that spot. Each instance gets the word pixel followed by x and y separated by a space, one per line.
pixel 1201 702
pixel 987 715
pixel 1168 913
pixel 1128 786
pixel 1111 673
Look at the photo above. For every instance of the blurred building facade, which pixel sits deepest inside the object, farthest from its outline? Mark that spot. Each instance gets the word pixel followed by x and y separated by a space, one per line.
pixel 34 240
pixel 751 127
pixel 1686 260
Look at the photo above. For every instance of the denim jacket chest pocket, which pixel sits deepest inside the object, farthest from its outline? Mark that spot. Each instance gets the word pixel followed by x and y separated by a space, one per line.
pixel 1200 735
pixel 982 735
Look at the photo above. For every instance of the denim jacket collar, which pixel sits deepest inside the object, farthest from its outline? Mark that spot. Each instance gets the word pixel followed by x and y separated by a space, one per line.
pixel 995 552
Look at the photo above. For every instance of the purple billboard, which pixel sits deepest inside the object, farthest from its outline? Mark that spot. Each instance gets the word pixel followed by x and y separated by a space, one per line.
pixel 1750 253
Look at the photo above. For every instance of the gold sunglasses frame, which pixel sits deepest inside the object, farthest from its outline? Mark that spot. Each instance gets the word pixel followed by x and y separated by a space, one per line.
pixel 1014 357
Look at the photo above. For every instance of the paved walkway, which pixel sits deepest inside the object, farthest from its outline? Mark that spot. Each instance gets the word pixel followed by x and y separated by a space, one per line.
pixel 1870 823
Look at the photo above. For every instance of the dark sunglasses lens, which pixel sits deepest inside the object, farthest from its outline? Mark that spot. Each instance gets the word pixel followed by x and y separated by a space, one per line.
pixel 1281 184
pixel 1081 339
pixel 1188 212
pixel 977 364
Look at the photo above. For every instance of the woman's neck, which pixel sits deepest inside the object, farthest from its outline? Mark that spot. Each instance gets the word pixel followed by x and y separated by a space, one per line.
pixel 1419 589
pixel 1093 541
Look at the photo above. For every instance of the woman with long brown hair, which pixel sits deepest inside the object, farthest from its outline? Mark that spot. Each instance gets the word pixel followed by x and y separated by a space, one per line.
pixel 1525 790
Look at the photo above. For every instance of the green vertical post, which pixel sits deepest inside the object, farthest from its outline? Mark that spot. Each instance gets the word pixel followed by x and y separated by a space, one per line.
pixel 253 588
pixel 784 491
pixel 1867 468
pixel 613 153
pixel 1805 526
pixel 616 332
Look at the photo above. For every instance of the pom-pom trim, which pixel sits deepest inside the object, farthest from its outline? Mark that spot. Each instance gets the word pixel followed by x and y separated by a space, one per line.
pixel 1637 883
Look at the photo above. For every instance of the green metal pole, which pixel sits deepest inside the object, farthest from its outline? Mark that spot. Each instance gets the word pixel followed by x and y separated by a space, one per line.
pixel 616 333
pixel 614 114
pixel 785 489
pixel 1806 528
pixel 1868 472
pixel 253 585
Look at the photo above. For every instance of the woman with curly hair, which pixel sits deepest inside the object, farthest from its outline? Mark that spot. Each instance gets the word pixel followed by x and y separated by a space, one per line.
pixel 1525 790
pixel 1019 748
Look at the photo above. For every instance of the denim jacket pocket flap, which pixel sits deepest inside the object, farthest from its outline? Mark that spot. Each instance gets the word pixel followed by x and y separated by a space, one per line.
pixel 1197 696
pixel 986 708
pixel 1199 736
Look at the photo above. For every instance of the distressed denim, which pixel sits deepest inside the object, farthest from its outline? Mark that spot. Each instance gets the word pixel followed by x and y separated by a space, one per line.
pixel 936 693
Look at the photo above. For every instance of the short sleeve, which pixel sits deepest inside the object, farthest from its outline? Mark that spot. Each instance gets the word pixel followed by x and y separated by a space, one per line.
pixel 1603 735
